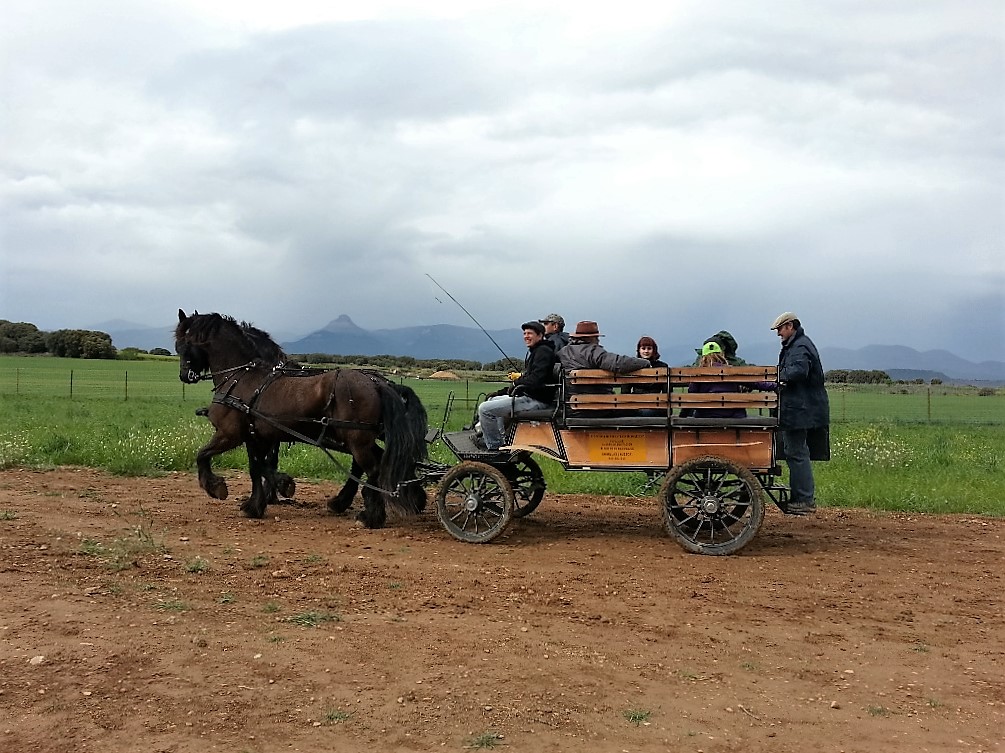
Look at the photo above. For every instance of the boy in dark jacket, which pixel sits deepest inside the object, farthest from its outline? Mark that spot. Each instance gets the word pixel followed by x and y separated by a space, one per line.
pixel 803 409
pixel 532 390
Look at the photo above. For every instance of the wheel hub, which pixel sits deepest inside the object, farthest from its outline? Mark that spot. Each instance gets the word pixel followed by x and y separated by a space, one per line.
pixel 709 505
pixel 471 502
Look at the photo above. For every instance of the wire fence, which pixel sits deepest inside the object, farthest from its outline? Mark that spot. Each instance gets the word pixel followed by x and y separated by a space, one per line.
pixel 895 403
pixel 137 381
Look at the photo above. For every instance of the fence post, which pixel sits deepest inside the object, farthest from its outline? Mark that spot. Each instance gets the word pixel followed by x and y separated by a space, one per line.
pixel 71 384
pixel 127 385
pixel 929 405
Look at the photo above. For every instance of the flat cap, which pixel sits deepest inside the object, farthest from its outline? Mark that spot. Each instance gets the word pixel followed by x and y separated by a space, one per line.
pixel 785 318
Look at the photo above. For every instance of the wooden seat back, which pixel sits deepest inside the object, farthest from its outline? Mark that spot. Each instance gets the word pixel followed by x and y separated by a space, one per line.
pixel 681 377
pixel 595 390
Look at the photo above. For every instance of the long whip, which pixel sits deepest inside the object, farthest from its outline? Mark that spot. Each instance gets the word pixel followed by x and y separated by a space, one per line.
pixel 508 359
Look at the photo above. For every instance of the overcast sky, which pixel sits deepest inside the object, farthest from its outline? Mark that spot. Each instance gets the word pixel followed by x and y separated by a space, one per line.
pixel 665 168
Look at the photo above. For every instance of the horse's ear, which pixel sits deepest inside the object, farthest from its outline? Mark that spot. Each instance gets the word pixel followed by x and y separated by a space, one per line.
pixel 181 316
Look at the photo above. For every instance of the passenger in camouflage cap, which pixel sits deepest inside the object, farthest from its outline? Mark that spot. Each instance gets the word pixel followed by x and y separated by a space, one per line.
pixel 554 328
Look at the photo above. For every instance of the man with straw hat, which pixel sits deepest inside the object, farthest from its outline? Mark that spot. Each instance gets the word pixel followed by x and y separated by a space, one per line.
pixel 584 351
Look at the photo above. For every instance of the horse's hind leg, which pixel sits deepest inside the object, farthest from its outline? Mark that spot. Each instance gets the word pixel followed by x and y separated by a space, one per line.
pixel 374 512
pixel 343 500
pixel 414 497
pixel 283 483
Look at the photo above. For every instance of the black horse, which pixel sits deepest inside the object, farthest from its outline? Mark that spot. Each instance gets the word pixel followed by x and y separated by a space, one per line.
pixel 260 402
pixel 263 462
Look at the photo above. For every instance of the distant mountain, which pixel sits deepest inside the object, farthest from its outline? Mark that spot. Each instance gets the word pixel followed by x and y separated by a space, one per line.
pixel 342 336
pixel 909 375
pixel 887 357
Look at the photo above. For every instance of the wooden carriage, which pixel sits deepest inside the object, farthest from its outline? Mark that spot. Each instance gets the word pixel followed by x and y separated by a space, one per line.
pixel 716 472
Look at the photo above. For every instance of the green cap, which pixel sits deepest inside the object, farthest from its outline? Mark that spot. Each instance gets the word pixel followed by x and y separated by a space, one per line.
pixel 711 347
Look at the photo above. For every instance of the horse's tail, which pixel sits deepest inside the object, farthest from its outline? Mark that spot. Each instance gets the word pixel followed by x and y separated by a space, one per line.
pixel 405 426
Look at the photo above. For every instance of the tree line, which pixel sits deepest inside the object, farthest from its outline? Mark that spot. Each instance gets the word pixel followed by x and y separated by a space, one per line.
pixel 23 337
pixel 857 376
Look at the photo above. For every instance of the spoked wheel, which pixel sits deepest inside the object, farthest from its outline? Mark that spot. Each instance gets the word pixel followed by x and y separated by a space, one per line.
pixel 527 480
pixel 712 505
pixel 474 502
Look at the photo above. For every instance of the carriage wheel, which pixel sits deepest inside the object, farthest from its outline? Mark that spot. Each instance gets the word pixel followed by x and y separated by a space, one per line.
pixel 474 502
pixel 712 505
pixel 527 480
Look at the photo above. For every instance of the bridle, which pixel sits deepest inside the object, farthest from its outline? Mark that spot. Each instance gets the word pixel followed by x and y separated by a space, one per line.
pixel 194 376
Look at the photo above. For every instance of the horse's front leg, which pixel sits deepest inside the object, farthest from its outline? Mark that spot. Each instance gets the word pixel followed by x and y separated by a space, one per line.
pixel 214 485
pixel 262 489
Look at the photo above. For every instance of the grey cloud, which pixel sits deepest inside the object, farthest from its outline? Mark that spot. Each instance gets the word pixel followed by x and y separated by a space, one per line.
pixel 370 71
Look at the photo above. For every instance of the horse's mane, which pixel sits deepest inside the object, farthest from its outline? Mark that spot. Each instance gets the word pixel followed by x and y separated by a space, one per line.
pixel 266 348
pixel 202 327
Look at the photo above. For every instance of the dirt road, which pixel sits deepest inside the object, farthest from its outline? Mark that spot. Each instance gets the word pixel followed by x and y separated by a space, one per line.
pixel 139 615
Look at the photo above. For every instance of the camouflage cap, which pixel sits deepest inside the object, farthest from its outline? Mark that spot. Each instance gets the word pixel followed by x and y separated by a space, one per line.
pixel 553 319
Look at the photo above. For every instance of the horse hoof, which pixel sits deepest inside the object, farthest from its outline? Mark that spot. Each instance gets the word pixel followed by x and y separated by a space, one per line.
pixel 218 489
pixel 367 522
pixel 253 511
pixel 286 487
pixel 338 506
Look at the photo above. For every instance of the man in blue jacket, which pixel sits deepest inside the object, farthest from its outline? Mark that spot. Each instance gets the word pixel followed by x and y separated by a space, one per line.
pixel 803 410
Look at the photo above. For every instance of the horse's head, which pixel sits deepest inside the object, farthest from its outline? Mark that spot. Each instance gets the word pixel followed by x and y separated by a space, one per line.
pixel 192 357
pixel 214 342
pixel 193 362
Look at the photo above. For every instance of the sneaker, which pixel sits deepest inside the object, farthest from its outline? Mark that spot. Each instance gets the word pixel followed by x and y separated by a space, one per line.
pixel 800 508
pixel 479 442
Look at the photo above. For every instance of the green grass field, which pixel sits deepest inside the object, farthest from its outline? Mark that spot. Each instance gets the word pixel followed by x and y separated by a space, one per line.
pixel 894 448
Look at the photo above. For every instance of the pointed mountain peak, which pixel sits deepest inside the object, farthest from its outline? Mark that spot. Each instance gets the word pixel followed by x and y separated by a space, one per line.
pixel 342 324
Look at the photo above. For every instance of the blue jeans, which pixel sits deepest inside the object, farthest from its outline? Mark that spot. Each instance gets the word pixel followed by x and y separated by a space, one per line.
pixel 493 414
pixel 797 457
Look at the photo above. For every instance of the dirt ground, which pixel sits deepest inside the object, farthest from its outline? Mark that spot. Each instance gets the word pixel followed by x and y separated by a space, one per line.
pixel 140 615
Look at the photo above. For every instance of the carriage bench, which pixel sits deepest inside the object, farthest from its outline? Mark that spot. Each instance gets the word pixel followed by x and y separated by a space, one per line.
pixel 593 397
pixel 746 440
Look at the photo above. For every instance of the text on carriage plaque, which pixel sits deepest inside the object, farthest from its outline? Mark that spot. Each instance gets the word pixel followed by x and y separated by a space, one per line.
pixel 618 447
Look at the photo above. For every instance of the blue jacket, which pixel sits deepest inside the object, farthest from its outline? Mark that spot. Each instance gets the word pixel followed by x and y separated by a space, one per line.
pixel 802 397
pixel 558 339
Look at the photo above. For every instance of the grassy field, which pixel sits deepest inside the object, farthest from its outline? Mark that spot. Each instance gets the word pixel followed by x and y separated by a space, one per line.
pixel 135 418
